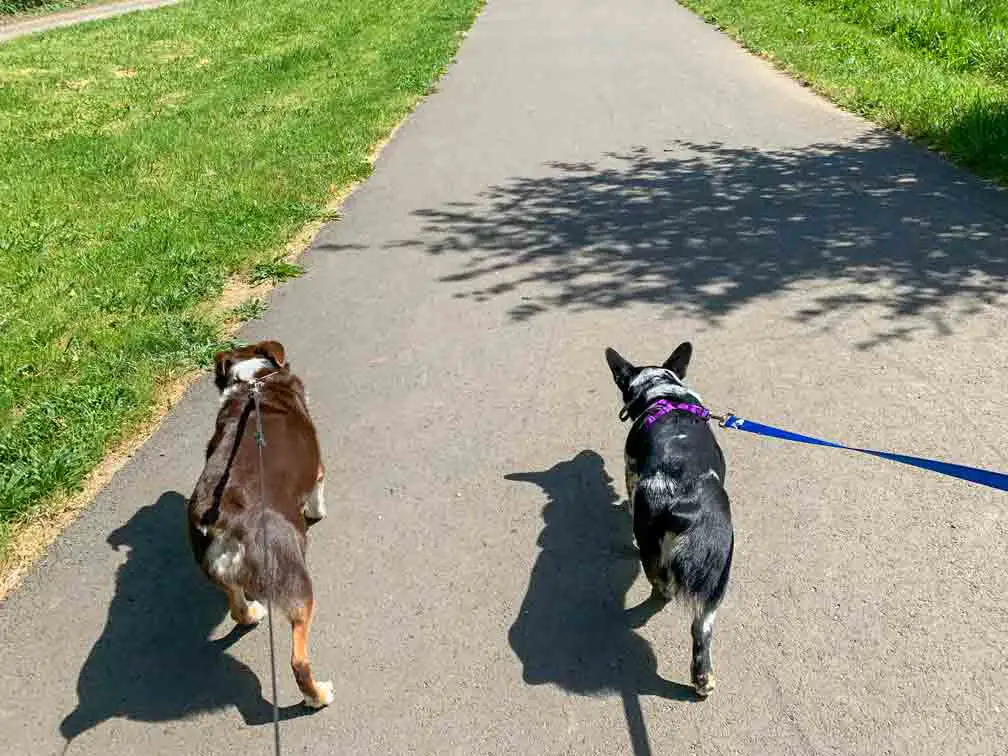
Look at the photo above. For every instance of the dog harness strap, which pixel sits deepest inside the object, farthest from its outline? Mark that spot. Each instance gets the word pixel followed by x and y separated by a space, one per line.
pixel 630 408
pixel 664 407
pixel 987 478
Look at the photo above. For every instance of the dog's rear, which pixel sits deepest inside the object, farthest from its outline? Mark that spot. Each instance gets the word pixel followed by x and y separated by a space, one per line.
pixel 685 538
pixel 247 517
pixel 681 514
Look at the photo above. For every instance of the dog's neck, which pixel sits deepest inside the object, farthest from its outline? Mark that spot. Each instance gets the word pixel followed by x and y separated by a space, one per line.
pixel 245 374
pixel 651 391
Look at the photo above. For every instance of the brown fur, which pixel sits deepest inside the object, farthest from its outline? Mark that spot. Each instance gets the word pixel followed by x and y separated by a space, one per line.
pixel 229 517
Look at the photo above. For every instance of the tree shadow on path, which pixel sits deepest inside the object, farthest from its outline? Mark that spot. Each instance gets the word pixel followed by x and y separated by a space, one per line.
pixel 572 630
pixel 706 229
pixel 153 661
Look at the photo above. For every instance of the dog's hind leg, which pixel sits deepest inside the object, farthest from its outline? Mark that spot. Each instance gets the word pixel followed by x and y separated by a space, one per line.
pixel 315 508
pixel 702 630
pixel 316 694
pixel 243 612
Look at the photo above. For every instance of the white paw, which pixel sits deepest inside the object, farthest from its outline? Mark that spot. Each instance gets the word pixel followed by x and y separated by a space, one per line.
pixel 705 688
pixel 315 508
pixel 324 698
pixel 315 511
pixel 254 612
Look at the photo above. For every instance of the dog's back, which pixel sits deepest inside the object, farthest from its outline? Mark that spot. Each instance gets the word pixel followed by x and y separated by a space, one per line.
pixel 235 479
pixel 682 518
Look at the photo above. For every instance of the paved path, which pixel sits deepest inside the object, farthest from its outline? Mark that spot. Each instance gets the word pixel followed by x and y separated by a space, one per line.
pixel 34 25
pixel 589 173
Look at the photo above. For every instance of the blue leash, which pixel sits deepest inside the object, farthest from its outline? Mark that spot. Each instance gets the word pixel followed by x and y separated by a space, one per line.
pixel 972 474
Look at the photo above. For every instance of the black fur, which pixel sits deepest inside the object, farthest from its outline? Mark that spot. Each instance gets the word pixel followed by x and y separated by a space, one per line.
pixel 675 474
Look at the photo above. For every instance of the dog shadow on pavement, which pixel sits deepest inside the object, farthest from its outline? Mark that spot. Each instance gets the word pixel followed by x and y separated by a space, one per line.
pixel 572 630
pixel 153 661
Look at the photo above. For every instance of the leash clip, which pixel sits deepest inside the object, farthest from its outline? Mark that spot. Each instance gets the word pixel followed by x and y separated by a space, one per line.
pixel 255 387
pixel 722 420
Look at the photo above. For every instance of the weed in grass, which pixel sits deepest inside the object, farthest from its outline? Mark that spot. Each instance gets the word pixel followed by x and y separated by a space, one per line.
pixel 275 271
pixel 249 310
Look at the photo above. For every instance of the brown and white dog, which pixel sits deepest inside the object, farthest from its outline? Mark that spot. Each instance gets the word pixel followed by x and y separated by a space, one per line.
pixel 235 504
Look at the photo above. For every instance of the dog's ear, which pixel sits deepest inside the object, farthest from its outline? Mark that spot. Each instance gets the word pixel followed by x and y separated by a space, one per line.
pixel 222 364
pixel 273 351
pixel 679 360
pixel 623 371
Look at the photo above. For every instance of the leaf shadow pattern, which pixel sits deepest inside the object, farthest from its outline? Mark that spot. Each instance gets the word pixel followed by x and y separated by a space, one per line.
pixel 706 229
pixel 572 630
pixel 153 661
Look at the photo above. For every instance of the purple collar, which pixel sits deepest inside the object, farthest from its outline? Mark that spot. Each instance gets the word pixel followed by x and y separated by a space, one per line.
pixel 662 407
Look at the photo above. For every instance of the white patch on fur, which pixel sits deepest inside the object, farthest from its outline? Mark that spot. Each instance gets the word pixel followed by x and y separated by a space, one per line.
pixel 255 611
pixel 243 372
pixel 670 545
pixel 325 696
pixel 668 383
pixel 655 486
pixel 658 485
pixel 246 369
pixel 708 622
pixel 315 507
pixel 711 474
pixel 224 559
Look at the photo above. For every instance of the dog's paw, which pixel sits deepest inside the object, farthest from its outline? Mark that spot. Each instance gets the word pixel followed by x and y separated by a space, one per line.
pixel 254 613
pixel 704 686
pixel 313 517
pixel 325 696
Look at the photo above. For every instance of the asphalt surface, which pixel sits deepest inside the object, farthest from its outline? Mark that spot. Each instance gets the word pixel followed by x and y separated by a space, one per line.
pixel 588 174
pixel 34 25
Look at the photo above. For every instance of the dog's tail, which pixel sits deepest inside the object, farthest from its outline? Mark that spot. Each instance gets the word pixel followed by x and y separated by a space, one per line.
pixel 694 561
pixel 275 561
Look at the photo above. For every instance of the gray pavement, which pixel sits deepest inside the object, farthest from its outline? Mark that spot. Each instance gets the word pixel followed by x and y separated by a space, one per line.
pixel 588 174
pixel 36 24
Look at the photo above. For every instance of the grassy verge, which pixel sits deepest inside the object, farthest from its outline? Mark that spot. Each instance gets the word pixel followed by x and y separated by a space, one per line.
pixel 147 159
pixel 13 9
pixel 937 70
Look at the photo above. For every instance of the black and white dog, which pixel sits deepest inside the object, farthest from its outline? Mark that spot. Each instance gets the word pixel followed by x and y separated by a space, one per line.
pixel 675 473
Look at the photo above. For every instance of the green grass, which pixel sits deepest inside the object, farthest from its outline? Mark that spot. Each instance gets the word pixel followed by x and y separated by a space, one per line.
pixel 34 7
pixel 250 309
pixel 937 70
pixel 274 271
pixel 145 160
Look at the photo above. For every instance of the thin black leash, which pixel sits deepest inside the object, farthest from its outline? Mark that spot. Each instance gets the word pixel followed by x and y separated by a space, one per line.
pixel 210 516
pixel 260 443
